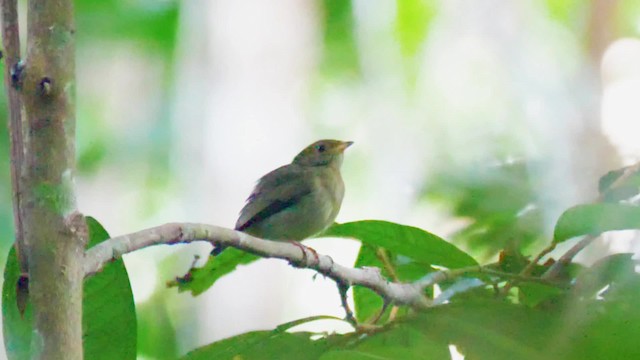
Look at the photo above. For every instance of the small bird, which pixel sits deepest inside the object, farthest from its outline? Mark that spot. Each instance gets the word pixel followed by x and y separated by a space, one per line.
pixel 298 200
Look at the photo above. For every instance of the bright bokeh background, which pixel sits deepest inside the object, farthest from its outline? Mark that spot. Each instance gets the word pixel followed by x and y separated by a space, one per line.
pixel 182 106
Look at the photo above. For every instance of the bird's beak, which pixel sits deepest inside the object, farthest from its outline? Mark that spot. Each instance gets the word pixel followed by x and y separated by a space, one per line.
pixel 344 145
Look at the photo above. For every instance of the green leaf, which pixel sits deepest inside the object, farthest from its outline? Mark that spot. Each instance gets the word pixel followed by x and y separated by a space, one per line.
pixel 489 329
pixel 108 316
pixel 593 219
pixel 16 328
pixel 275 344
pixel 340 49
pixel 150 24
pixel 606 328
pixel 412 20
pixel 367 303
pixel 200 279
pixel 611 271
pixel 402 342
pixel 261 345
pixel 625 189
pixel 414 243
pixel 532 294
pixel 157 337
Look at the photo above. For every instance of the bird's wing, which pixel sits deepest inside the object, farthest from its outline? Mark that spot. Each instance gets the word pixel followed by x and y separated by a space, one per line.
pixel 275 192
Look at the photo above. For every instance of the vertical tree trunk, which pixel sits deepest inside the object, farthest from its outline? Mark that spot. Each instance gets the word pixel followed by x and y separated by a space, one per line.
pixel 11 42
pixel 55 234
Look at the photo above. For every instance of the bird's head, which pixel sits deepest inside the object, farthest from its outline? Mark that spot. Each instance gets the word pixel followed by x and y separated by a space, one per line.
pixel 322 153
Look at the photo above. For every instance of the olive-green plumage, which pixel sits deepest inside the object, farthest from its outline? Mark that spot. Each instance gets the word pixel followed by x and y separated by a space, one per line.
pixel 298 200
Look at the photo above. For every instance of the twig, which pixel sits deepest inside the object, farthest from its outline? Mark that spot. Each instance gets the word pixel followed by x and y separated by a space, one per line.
pixel 377 317
pixel 444 275
pixel 530 266
pixel 342 289
pixel 383 256
pixel 565 259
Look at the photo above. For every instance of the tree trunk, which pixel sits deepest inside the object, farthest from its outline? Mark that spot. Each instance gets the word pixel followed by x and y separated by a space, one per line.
pixel 54 232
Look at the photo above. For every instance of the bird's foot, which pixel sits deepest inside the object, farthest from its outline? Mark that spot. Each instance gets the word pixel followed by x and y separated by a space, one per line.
pixel 304 250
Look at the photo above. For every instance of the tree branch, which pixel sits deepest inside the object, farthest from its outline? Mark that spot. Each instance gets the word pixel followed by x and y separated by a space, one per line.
pixel 174 233
pixel 11 44
pixel 565 259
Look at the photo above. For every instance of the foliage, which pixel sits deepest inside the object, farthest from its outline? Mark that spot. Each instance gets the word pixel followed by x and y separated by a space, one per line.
pixel 592 313
pixel 570 318
pixel 499 201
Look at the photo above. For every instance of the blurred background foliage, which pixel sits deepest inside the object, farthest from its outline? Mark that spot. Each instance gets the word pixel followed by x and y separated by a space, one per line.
pixel 479 121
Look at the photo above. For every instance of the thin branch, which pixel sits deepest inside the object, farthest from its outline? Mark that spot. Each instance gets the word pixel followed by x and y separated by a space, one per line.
pixel 530 266
pixel 444 275
pixel 182 233
pixel 11 44
pixel 400 293
pixel 342 289
pixel 383 256
pixel 565 259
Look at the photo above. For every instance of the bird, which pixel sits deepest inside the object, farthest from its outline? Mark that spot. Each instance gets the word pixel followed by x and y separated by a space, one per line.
pixel 297 200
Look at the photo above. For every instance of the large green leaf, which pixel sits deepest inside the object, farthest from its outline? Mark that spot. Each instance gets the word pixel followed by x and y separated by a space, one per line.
pixel 402 342
pixel 108 319
pixel 274 344
pixel 417 244
pixel 593 219
pixel 109 315
pixel 200 279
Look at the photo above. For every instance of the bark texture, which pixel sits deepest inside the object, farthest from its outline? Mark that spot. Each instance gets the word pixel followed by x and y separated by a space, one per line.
pixel 55 234
pixel 11 42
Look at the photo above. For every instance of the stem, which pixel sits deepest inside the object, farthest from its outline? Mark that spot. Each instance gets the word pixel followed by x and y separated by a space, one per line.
pixel 383 256
pixel 565 259
pixel 529 268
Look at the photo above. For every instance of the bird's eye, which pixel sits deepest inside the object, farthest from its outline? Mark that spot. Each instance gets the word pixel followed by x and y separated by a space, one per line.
pixel 321 148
